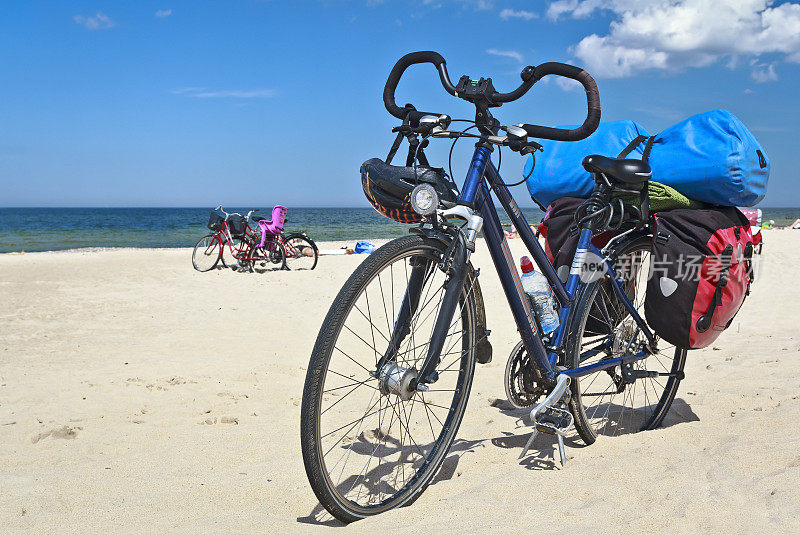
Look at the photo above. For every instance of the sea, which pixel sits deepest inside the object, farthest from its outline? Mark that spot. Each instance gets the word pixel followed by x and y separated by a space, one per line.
pixel 55 229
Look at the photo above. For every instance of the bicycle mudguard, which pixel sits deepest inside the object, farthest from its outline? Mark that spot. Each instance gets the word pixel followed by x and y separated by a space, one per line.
pixel 483 349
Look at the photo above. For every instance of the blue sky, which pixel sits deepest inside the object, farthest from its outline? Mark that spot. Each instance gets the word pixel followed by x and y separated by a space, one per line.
pixel 248 102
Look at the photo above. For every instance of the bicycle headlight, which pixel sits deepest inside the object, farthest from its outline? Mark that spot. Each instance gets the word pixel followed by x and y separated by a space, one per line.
pixel 424 199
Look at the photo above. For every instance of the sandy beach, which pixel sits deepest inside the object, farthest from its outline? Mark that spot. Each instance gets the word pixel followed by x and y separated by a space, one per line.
pixel 140 396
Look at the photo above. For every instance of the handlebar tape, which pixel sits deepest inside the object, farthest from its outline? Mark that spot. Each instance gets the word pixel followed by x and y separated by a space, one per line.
pixel 592 100
pixel 399 68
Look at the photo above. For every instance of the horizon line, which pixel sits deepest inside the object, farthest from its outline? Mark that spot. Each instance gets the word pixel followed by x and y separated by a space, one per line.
pixel 234 205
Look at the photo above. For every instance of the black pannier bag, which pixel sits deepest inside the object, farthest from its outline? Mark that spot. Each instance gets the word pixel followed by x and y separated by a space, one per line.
pixel 561 234
pixel 561 239
pixel 700 274
pixel 237 224
pixel 215 221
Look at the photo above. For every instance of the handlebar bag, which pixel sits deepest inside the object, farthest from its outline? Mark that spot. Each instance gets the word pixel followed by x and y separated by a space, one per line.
pixel 559 171
pixel 711 157
pixel 700 274
pixel 237 224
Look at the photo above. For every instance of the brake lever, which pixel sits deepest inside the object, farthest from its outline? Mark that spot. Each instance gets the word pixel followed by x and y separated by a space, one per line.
pixel 530 148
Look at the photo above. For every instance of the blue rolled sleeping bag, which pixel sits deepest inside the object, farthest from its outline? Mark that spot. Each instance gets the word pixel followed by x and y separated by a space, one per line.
pixel 558 171
pixel 710 157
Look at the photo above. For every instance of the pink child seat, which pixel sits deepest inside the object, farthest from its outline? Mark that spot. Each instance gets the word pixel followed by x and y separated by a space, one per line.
pixel 273 226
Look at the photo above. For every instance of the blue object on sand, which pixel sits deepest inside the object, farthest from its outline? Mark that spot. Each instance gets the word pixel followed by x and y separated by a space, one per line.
pixel 363 247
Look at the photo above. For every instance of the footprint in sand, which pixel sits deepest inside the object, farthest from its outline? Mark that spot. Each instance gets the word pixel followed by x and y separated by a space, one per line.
pixel 177 380
pixel 222 420
pixel 65 432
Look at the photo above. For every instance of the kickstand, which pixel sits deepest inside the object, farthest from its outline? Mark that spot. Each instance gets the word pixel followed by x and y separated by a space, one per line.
pixel 528 444
pixel 561 451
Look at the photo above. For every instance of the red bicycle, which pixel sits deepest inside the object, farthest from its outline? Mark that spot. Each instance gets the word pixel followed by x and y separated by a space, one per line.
pixel 232 234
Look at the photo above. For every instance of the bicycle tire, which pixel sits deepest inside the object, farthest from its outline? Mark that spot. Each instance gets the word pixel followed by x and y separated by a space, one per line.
pixel 204 243
pixel 272 255
pixel 305 260
pixel 651 415
pixel 314 457
pixel 240 244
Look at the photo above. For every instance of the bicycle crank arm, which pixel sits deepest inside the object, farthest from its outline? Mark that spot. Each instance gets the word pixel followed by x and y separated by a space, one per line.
pixel 457 275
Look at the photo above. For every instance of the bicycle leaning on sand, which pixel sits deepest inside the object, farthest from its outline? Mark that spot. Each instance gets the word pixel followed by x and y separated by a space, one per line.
pixel 391 370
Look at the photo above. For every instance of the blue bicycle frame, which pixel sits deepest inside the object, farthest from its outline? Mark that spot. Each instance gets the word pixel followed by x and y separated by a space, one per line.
pixel 483 179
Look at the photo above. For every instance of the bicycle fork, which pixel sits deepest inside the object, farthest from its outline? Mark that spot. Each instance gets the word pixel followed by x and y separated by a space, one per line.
pixel 403 381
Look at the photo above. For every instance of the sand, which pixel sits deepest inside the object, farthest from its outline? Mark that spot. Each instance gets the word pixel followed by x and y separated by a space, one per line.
pixel 138 395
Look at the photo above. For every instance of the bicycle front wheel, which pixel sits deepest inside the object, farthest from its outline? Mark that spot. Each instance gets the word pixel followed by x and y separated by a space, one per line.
pixel 628 398
pixel 301 252
pixel 370 445
pixel 207 253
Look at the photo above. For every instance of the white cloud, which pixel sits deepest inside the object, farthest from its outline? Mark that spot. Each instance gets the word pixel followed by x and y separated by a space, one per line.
pixel 101 21
pixel 507 14
pixel 763 73
pixel 568 84
pixel 163 13
pixel 513 54
pixel 676 34
pixel 202 92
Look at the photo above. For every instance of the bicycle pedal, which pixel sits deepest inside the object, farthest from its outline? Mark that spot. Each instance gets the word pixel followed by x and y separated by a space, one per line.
pixel 554 421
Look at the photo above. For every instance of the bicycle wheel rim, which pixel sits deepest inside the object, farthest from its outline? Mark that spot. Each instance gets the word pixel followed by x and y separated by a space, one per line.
pixel 269 257
pixel 301 253
pixel 604 402
pixel 206 253
pixel 356 500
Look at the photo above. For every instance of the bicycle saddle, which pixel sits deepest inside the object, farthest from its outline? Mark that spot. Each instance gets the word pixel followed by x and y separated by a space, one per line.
pixel 626 171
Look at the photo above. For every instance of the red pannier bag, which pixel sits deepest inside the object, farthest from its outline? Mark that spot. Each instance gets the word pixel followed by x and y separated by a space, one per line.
pixel 701 273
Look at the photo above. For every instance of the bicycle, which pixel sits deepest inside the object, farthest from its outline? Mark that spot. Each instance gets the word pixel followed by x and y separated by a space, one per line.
pixel 408 327
pixel 300 251
pixel 234 231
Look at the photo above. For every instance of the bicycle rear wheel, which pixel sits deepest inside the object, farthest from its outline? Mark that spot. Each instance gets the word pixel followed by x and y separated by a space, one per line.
pixel 623 399
pixel 207 253
pixel 271 256
pixel 301 252
pixel 369 446
pixel 233 250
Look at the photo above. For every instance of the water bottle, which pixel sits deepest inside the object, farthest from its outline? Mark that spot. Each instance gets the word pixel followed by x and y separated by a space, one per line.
pixel 541 296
